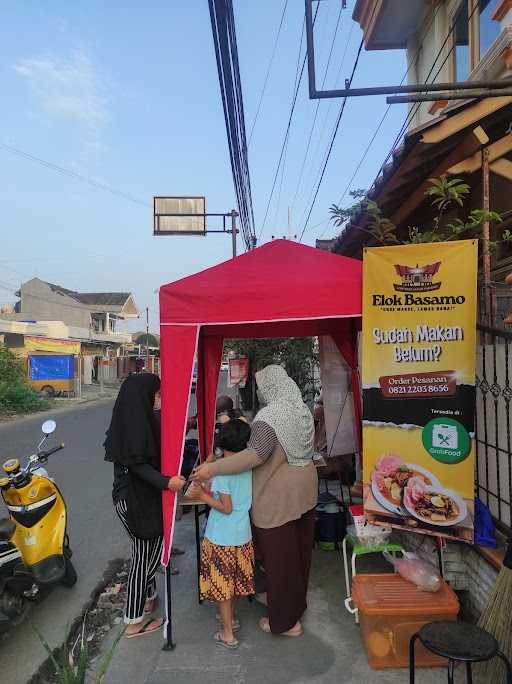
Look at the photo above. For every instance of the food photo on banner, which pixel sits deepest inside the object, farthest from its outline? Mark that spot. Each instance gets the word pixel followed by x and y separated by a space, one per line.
pixel 418 376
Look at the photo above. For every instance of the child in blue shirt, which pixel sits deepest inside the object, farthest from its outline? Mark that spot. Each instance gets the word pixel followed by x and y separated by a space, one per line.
pixel 227 554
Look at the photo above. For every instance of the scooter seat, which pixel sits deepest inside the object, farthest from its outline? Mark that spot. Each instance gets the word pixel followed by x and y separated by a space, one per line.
pixel 7 528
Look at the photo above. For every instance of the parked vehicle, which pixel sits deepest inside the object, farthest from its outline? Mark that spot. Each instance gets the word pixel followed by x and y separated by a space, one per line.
pixel 52 374
pixel 34 545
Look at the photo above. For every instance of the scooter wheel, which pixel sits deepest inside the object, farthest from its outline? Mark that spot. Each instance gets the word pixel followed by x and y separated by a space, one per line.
pixel 70 576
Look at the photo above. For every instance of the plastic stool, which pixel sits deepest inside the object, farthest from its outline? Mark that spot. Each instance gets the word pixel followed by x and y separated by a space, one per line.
pixel 457 641
pixel 359 549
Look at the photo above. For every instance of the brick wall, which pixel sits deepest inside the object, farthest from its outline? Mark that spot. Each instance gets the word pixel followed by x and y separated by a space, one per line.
pixel 465 569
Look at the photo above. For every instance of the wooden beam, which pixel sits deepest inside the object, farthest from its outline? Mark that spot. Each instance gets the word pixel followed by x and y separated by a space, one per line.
pixel 503 168
pixel 464 119
pixel 497 150
pixel 468 146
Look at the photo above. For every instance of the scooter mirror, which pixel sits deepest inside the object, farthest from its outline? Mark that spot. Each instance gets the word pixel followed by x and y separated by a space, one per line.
pixel 48 427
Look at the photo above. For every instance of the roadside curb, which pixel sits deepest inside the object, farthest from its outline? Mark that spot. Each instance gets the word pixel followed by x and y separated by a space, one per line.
pixel 56 410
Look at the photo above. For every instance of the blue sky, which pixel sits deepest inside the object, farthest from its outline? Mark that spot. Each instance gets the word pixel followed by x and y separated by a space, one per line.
pixel 127 95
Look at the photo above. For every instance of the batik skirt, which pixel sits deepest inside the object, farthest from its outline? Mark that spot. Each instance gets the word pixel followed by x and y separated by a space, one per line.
pixel 226 571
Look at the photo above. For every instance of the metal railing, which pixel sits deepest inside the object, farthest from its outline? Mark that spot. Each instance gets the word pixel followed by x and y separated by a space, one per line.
pixel 493 423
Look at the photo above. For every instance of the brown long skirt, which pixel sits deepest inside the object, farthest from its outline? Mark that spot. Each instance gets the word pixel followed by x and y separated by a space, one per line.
pixel 286 552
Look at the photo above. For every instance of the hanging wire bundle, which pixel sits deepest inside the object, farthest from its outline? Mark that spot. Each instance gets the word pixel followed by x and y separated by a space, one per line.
pixel 226 54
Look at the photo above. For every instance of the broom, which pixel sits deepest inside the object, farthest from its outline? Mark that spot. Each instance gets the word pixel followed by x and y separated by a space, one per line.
pixel 497 620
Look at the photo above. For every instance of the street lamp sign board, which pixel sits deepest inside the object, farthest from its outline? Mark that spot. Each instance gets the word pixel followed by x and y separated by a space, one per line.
pixel 179 215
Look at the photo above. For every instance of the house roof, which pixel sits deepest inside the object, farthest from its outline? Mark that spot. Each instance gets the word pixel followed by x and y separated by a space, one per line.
pixel 427 151
pixel 92 298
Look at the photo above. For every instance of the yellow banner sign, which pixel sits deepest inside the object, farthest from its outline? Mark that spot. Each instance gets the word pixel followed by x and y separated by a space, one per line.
pixel 419 347
pixel 46 344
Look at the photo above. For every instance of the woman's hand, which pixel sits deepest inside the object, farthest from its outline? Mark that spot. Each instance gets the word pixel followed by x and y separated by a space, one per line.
pixel 203 473
pixel 176 483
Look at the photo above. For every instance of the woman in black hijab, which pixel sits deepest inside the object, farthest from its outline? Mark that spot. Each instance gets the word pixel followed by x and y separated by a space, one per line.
pixel 133 446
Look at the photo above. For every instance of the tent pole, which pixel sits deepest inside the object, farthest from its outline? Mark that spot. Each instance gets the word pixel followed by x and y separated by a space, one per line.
pixel 168 642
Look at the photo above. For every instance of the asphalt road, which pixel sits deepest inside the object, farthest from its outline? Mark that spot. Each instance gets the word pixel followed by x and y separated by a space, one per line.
pixel 95 533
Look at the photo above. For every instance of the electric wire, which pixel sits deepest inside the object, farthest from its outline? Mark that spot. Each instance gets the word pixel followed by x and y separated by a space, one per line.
pixel 73 174
pixel 287 132
pixel 333 138
pixel 267 75
pixel 226 56
pixel 313 125
pixel 325 121
pixel 423 30
pixel 415 108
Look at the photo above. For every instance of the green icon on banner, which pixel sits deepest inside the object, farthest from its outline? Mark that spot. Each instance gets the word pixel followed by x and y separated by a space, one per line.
pixel 446 440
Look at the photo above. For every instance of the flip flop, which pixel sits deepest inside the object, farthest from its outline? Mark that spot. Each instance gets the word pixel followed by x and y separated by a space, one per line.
pixel 264 625
pixel 176 551
pixel 146 629
pixel 230 645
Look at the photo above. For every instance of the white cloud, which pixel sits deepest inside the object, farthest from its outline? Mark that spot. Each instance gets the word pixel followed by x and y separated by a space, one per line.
pixel 70 88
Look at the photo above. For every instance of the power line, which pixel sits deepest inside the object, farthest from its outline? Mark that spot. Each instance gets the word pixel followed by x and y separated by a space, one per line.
pixel 306 153
pixel 73 174
pixel 414 110
pixel 326 118
pixel 267 75
pixel 423 30
pixel 226 55
pixel 287 132
pixel 333 138
pixel 290 118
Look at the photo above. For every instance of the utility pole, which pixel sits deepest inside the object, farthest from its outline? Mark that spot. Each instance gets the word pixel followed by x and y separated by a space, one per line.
pixel 233 214
pixel 147 339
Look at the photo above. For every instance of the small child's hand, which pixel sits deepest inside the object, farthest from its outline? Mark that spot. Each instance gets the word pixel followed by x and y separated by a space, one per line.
pixel 176 483
pixel 196 492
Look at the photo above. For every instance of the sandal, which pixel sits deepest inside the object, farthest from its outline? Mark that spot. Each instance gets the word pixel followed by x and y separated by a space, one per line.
pixel 235 626
pixel 146 628
pixel 230 645
pixel 264 625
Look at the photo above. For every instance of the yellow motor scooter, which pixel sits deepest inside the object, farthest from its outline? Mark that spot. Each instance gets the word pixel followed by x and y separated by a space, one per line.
pixel 34 545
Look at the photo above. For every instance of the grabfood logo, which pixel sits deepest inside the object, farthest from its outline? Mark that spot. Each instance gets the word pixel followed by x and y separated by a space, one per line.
pixel 417 278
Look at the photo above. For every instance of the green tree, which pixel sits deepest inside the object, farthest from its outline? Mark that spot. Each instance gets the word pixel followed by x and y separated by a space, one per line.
pixel 298 355
pixel 12 370
pixel 16 396
pixel 447 198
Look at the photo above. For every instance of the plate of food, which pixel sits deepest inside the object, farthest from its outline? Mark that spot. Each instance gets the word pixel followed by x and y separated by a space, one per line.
pixel 390 478
pixel 434 505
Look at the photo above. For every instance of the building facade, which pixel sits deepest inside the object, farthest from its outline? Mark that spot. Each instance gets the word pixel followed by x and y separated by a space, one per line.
pixel 445 41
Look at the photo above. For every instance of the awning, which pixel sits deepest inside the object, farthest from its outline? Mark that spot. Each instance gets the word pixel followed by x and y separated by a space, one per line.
pixel 45 344
pixel 451 145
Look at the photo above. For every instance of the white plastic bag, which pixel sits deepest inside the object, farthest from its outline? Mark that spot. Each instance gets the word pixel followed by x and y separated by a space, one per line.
pixel 413 569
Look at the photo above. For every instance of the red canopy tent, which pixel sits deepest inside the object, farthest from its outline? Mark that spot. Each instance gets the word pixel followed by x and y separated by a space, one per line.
pixel 282 289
